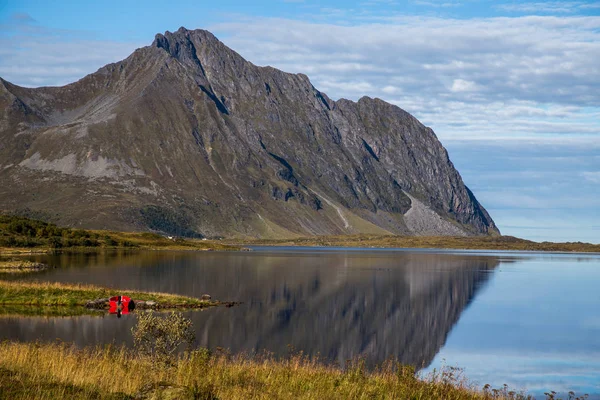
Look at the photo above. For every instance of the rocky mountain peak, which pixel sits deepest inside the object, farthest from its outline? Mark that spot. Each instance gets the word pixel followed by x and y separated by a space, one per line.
pixel 183 43
pixel 187 136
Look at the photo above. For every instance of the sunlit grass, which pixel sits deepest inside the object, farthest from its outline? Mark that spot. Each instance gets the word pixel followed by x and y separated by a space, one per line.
pixel 113 372
pixel 146 240
pixel 60 294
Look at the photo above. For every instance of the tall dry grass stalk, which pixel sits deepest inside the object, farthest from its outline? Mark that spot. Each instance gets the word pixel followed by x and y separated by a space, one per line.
pixel 108 372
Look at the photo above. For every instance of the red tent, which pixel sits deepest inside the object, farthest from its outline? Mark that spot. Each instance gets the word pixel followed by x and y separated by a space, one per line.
pixel 120 305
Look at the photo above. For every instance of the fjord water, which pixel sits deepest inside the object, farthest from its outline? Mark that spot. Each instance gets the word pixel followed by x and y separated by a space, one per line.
pixel 529 320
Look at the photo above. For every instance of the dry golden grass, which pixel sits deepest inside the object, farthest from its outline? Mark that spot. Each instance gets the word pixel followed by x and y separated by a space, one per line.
pixel 23 250
pixel 153 241
pixel 437 242
pixel 117 373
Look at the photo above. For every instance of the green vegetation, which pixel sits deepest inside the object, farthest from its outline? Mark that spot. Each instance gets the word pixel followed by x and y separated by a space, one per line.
pixel 159 338
pixel 438 242
pixel 115 373
pixel 20 234
pixel 18 231
pixel 65 295
pixel 166 220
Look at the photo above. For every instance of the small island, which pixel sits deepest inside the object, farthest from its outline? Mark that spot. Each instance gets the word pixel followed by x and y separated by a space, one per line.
pixel 16 266
pixel 80 299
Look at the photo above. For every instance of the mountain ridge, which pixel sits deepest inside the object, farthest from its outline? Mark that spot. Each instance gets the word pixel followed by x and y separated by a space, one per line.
pixel 186 135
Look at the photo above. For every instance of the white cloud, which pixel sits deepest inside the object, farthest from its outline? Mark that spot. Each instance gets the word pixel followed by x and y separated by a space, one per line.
pixel 437 4
pixel 548 7
pixel 33 55
pixel 390 89
pixel 461 85
pixel 490 78
pixel 356 87
pixel 591 176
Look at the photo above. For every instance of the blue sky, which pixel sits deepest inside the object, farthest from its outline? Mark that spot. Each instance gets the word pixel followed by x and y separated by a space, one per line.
pixel 512 89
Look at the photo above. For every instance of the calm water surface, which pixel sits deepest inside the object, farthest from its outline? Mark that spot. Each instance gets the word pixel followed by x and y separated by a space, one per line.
pixel 529 320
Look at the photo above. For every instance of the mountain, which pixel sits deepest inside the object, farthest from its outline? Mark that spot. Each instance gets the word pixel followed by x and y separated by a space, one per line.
pixel 186 137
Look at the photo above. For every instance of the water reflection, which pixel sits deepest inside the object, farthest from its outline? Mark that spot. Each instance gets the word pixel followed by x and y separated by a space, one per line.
pixel 335 304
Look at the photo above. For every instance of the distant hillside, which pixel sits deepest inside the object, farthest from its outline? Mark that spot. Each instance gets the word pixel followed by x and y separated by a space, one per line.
pixel 188 138
pixel 20 235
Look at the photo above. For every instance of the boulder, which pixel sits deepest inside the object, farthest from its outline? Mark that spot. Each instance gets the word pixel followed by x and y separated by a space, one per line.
pixel 98 303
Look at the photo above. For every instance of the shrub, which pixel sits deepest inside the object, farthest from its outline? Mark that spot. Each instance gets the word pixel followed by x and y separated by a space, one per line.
pixel 172 222
pixel 110 242
pixel 55 242
pixel 160 338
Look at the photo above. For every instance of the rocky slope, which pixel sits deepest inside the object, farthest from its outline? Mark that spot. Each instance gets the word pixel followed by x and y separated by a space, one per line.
pixel 186 137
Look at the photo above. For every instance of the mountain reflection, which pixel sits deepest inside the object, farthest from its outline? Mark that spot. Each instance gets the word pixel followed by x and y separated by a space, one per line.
pixel 335 304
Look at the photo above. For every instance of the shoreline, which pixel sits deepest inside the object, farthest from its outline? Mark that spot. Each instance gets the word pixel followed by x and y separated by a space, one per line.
pixel 25 251
pixel 247 246
pixel 427 249
pixel 469 243
pixel 24 236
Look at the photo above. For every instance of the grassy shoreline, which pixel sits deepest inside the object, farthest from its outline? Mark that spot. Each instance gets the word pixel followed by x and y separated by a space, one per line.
pixel 434 242
pixel 63 371
pixel 66 295
pixel 132 241
pixel 20 235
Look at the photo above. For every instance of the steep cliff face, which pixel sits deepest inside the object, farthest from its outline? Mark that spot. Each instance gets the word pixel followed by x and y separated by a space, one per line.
pixel 187 136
